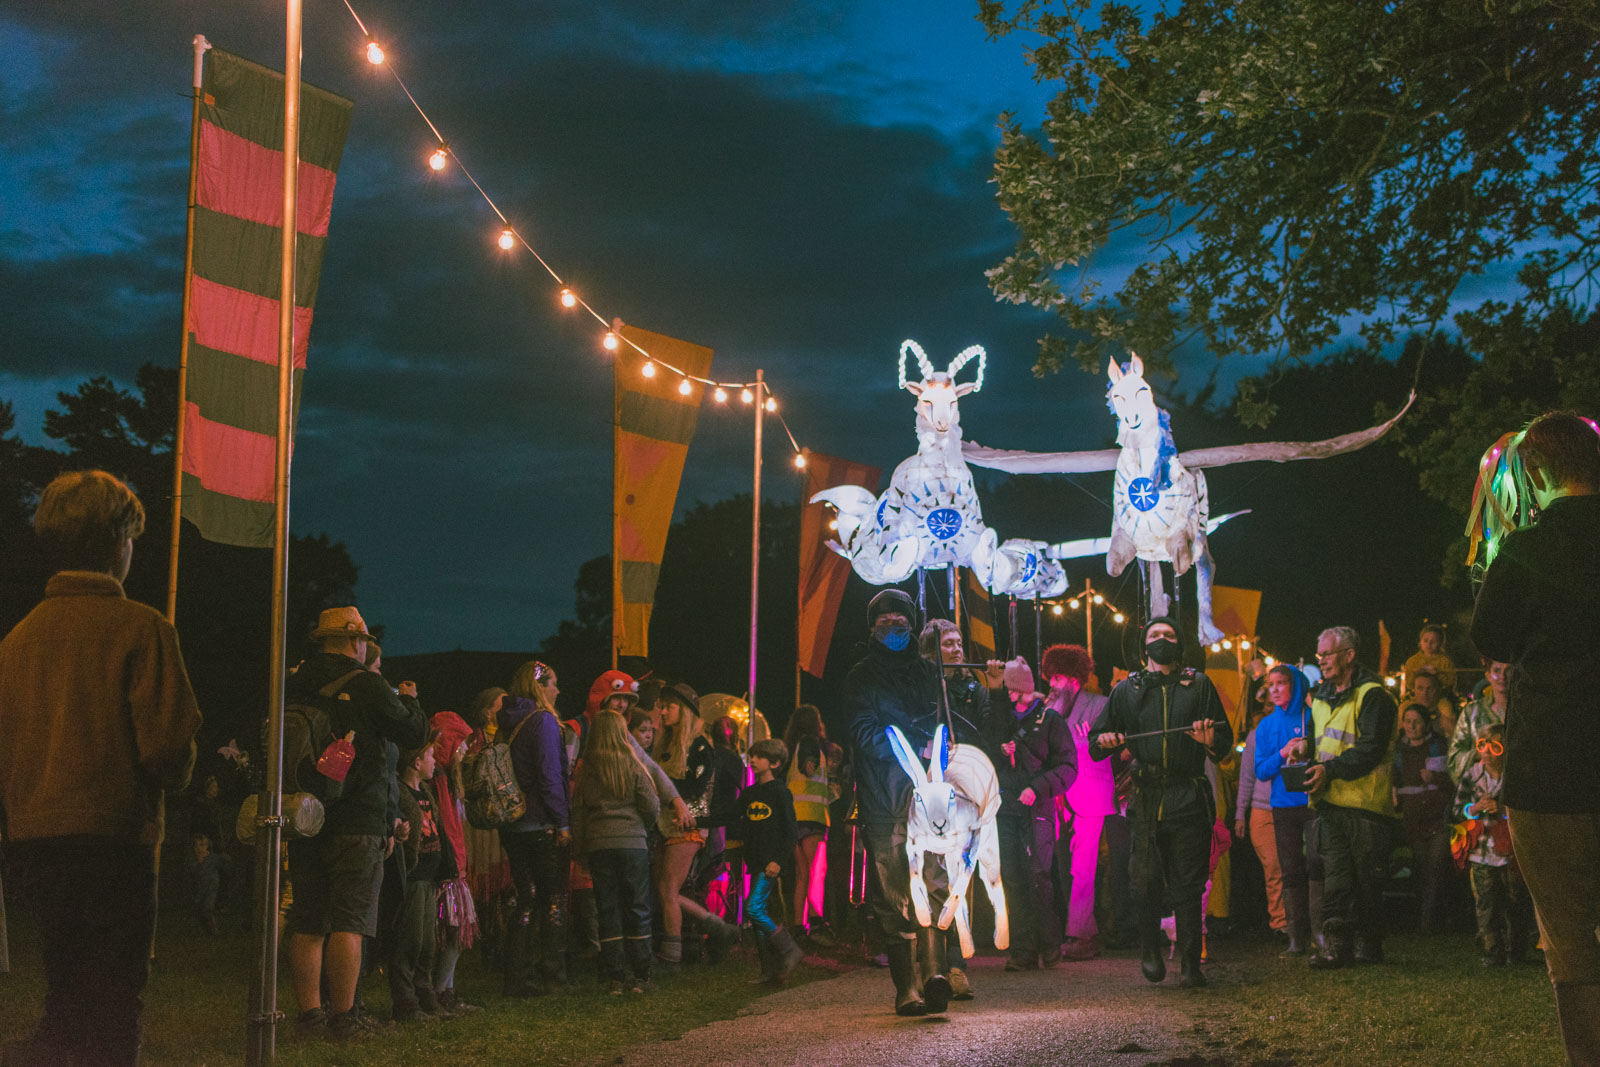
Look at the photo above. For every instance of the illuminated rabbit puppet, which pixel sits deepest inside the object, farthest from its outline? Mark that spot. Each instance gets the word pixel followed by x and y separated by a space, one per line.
pixel 1160 511
pixel 930 516
pixel 953 806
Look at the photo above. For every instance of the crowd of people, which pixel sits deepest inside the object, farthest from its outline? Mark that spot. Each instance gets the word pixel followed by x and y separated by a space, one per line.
pixel 638 838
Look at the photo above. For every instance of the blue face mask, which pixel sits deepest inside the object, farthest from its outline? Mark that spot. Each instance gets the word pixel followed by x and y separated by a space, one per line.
pixel 895 638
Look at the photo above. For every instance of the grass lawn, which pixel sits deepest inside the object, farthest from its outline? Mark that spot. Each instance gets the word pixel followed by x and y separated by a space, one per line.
pixel 1432 1002
pixel 195 1004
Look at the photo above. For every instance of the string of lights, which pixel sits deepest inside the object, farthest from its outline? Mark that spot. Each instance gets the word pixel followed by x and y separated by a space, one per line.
pixel 510 238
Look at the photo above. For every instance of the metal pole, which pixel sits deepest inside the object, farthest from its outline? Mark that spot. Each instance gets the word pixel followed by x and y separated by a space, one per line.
pixel 260 1027
pixel 755 555
pixel 616 517
pixel 201 45
pixel 1088 616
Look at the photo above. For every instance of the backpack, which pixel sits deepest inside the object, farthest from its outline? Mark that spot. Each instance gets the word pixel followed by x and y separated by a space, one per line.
pixel 489 783
pixel 307 731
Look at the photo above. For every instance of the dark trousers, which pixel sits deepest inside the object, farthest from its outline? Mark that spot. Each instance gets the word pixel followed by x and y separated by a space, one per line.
pixel 1355 860
pixel 1171 860
pixel 1295 831
pixel 1027 857
pixel 96 901
pixel 537 929
pixel 1115 893
pixel 1505 911
pixel 622 903
pixel 889 881
pixel 413 944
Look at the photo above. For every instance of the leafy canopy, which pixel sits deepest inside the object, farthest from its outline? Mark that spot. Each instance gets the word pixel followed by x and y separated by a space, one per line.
pixel 1286 168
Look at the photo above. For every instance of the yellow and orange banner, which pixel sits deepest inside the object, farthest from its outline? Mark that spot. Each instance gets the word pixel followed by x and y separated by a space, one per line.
pixel 978 611
pixel 823 571
pixel 654 425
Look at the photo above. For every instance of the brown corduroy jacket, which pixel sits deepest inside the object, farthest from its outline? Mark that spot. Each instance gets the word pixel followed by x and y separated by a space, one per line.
pixel 96 714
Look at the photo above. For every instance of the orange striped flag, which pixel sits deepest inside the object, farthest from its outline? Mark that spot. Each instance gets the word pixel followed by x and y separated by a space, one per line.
pixel 823 571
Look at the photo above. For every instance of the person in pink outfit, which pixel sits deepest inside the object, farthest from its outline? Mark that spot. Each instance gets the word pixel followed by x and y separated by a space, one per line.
pixel 1091 796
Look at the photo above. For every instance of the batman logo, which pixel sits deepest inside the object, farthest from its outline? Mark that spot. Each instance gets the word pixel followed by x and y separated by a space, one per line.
pixel 757 811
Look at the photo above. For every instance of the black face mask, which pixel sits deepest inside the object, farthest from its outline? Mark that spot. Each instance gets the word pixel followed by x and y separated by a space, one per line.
pixel 1163 651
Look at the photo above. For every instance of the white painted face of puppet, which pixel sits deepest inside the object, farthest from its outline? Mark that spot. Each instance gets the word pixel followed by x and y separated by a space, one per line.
pixel 936 402
pixel 1131 398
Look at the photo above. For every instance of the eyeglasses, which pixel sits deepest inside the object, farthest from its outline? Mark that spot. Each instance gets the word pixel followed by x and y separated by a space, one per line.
pixel 1332 653
pixel 1491 746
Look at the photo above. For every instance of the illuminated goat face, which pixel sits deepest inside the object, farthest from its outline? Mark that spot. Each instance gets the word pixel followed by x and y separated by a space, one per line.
pixel 1131 400
pixel 938 392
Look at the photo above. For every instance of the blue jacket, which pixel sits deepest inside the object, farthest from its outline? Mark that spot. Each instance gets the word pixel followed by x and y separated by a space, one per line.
pixel 1271 735
pixel 540 761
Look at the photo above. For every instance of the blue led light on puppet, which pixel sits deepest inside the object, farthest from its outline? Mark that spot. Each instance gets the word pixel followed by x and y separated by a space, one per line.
pixel 1502 500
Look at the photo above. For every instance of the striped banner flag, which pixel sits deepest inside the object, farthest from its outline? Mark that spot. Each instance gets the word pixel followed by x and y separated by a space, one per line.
pixel 655 423
pixel 230 416
pixel 823 571
pixel 979 612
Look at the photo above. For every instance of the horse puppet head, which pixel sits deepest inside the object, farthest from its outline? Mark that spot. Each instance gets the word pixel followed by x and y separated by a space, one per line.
pixel 1140 424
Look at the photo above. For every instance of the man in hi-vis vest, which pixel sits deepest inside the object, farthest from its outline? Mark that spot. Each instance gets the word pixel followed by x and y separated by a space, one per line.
pixel 1353 728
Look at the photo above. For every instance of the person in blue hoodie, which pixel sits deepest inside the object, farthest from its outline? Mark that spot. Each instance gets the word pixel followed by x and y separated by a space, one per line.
pixel 1293 818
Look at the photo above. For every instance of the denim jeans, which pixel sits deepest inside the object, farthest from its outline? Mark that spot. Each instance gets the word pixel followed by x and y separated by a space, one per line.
pixel 622 901
pixel 758 907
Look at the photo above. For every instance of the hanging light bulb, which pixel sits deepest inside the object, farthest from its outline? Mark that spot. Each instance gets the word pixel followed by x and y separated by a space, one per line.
pixel 1227 644
pixel 800 461
pixel 684 387
pixel 569 299
pixel 747 396
pixel 1216 648
pixel 772 404
pixel 1098 599
pixel 1056 609
pixel 648 370
pixel 1245 645
pixel 610 341
pixel 440 157
pixel 1074 605
pixel 833 524
pixel 508 239
pixel 1119 617
pixel 1271 662
pixel 720 395
pixel 374 52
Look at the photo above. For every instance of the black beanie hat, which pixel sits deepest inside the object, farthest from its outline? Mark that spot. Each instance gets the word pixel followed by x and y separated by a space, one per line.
pixel 1177 628
pixel 892 599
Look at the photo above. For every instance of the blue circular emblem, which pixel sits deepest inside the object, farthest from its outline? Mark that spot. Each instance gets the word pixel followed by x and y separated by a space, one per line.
pixel 944 523
pixel 882 506
pixel 1030 567
pixel 1142 494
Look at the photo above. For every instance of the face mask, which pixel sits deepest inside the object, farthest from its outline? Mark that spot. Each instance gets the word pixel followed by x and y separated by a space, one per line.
pixel 1162 651
pixel 894 638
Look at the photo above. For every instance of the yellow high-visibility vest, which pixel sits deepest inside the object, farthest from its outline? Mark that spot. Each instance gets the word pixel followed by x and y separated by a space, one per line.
pixel 1337 730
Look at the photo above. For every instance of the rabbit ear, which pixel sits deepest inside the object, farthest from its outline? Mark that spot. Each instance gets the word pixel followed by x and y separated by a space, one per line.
pixel 906 755
pixel 940 758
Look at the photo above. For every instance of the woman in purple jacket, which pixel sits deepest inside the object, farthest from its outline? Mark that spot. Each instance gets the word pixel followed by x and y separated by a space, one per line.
pixel 536 845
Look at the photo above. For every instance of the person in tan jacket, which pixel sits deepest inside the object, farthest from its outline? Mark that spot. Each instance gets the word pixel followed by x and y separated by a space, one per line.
pixel 97 720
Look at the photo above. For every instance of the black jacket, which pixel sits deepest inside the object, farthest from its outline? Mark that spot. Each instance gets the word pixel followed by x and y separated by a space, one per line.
pixel 726 782
pixel 1168 771
pixel 889 689
pixel 376 714
pixel 970 706
pixel 1046 760
pixel 1539 611
pixel 767 827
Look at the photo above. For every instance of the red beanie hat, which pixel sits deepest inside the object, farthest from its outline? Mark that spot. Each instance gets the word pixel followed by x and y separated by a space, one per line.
pixel 610 684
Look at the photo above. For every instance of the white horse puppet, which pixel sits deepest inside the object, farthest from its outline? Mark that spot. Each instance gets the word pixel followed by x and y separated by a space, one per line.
pixel 929 516
pixel 952 815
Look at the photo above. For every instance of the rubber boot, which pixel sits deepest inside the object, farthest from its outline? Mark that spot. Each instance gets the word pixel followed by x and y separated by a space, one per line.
pixel 931 968
pixel 1578 1007
pixel 1314 914
pixel 789 954
pixel 1151 943
pixel 1191 942
pixel 768 958
pixel 1338 948
pixel 1299 925
pixel 669 957
pixel 521 962
pixel 902 968
pixel 720 937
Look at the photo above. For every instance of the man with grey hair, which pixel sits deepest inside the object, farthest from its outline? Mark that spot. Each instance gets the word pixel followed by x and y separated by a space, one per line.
pixel 1353 734
pixel 97 720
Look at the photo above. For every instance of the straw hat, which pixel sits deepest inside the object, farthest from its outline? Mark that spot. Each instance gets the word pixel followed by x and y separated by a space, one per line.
pixel 341 622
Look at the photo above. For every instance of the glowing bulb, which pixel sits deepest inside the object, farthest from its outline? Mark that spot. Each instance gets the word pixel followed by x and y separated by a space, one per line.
pixel 648 370
pixel 747 396
pixel 1271 662
pixel 720 395
pixel 374 53
pixel 569 299
pixel 1119 617
pixel 610 341
pixel 833 524
pixel 684 387
pixel 439 158
pixel 1245 645
pixel 508 240
pixel 1216 648
pixel 1056 609
pixel 772 404
pixel 1227 644
pixel 800 461
pixel 1389 682
pixel 1098 599
pixel 1074 605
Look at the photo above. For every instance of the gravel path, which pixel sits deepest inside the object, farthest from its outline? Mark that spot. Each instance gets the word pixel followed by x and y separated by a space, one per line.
pixel 1095 1012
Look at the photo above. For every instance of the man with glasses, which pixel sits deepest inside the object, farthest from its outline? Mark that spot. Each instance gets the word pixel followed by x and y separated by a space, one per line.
pixel 1350 782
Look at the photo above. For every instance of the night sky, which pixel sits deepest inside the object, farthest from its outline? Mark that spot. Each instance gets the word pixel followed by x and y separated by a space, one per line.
pixel 799 186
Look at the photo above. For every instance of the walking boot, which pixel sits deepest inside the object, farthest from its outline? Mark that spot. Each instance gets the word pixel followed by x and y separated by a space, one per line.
pixel 1151 945
pixel 1319 939
pixel 789 954
pixel 521 960
pixel 1294 906
pixel 1191 942
pixel 553 949
pixel 638 953
pixel 720 937
pixel 903 969
pixel 930 968
pixel 956 971
pixel 1338 947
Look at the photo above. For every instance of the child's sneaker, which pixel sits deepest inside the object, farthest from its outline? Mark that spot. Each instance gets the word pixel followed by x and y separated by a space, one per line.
pixel 639 987
pixel 614 988
pixel 310 1024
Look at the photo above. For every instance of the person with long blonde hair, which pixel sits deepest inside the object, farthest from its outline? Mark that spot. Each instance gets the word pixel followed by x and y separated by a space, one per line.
pixel 812 758
pixel 613 804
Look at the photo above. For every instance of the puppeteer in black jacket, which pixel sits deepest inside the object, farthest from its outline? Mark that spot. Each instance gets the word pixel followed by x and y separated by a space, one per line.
pixel 1044 759
pixel 1169 771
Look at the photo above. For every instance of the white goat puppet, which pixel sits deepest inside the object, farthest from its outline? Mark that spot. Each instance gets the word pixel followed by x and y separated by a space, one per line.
pixel 952 815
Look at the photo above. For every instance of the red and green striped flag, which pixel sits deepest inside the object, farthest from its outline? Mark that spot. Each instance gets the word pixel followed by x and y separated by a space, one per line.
pixel 230 415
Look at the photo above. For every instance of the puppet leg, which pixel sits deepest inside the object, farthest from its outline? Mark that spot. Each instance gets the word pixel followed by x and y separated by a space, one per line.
pixel 919 887
pixel 960 867
pixel 964 931
pixel 989 870
pixel 1202 582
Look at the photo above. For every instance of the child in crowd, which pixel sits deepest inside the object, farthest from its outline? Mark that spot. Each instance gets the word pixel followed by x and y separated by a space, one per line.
pixel 1505 911
pixel 429 861
pixel 767 829
pixel 1430 654
pixel 613 806
pixel 206 867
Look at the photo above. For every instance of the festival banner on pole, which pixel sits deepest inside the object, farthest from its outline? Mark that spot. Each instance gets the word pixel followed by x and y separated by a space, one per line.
pixel 822 571
pixel 979 612
pixel 655 423
pixel 230 413
pixel 1234 611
